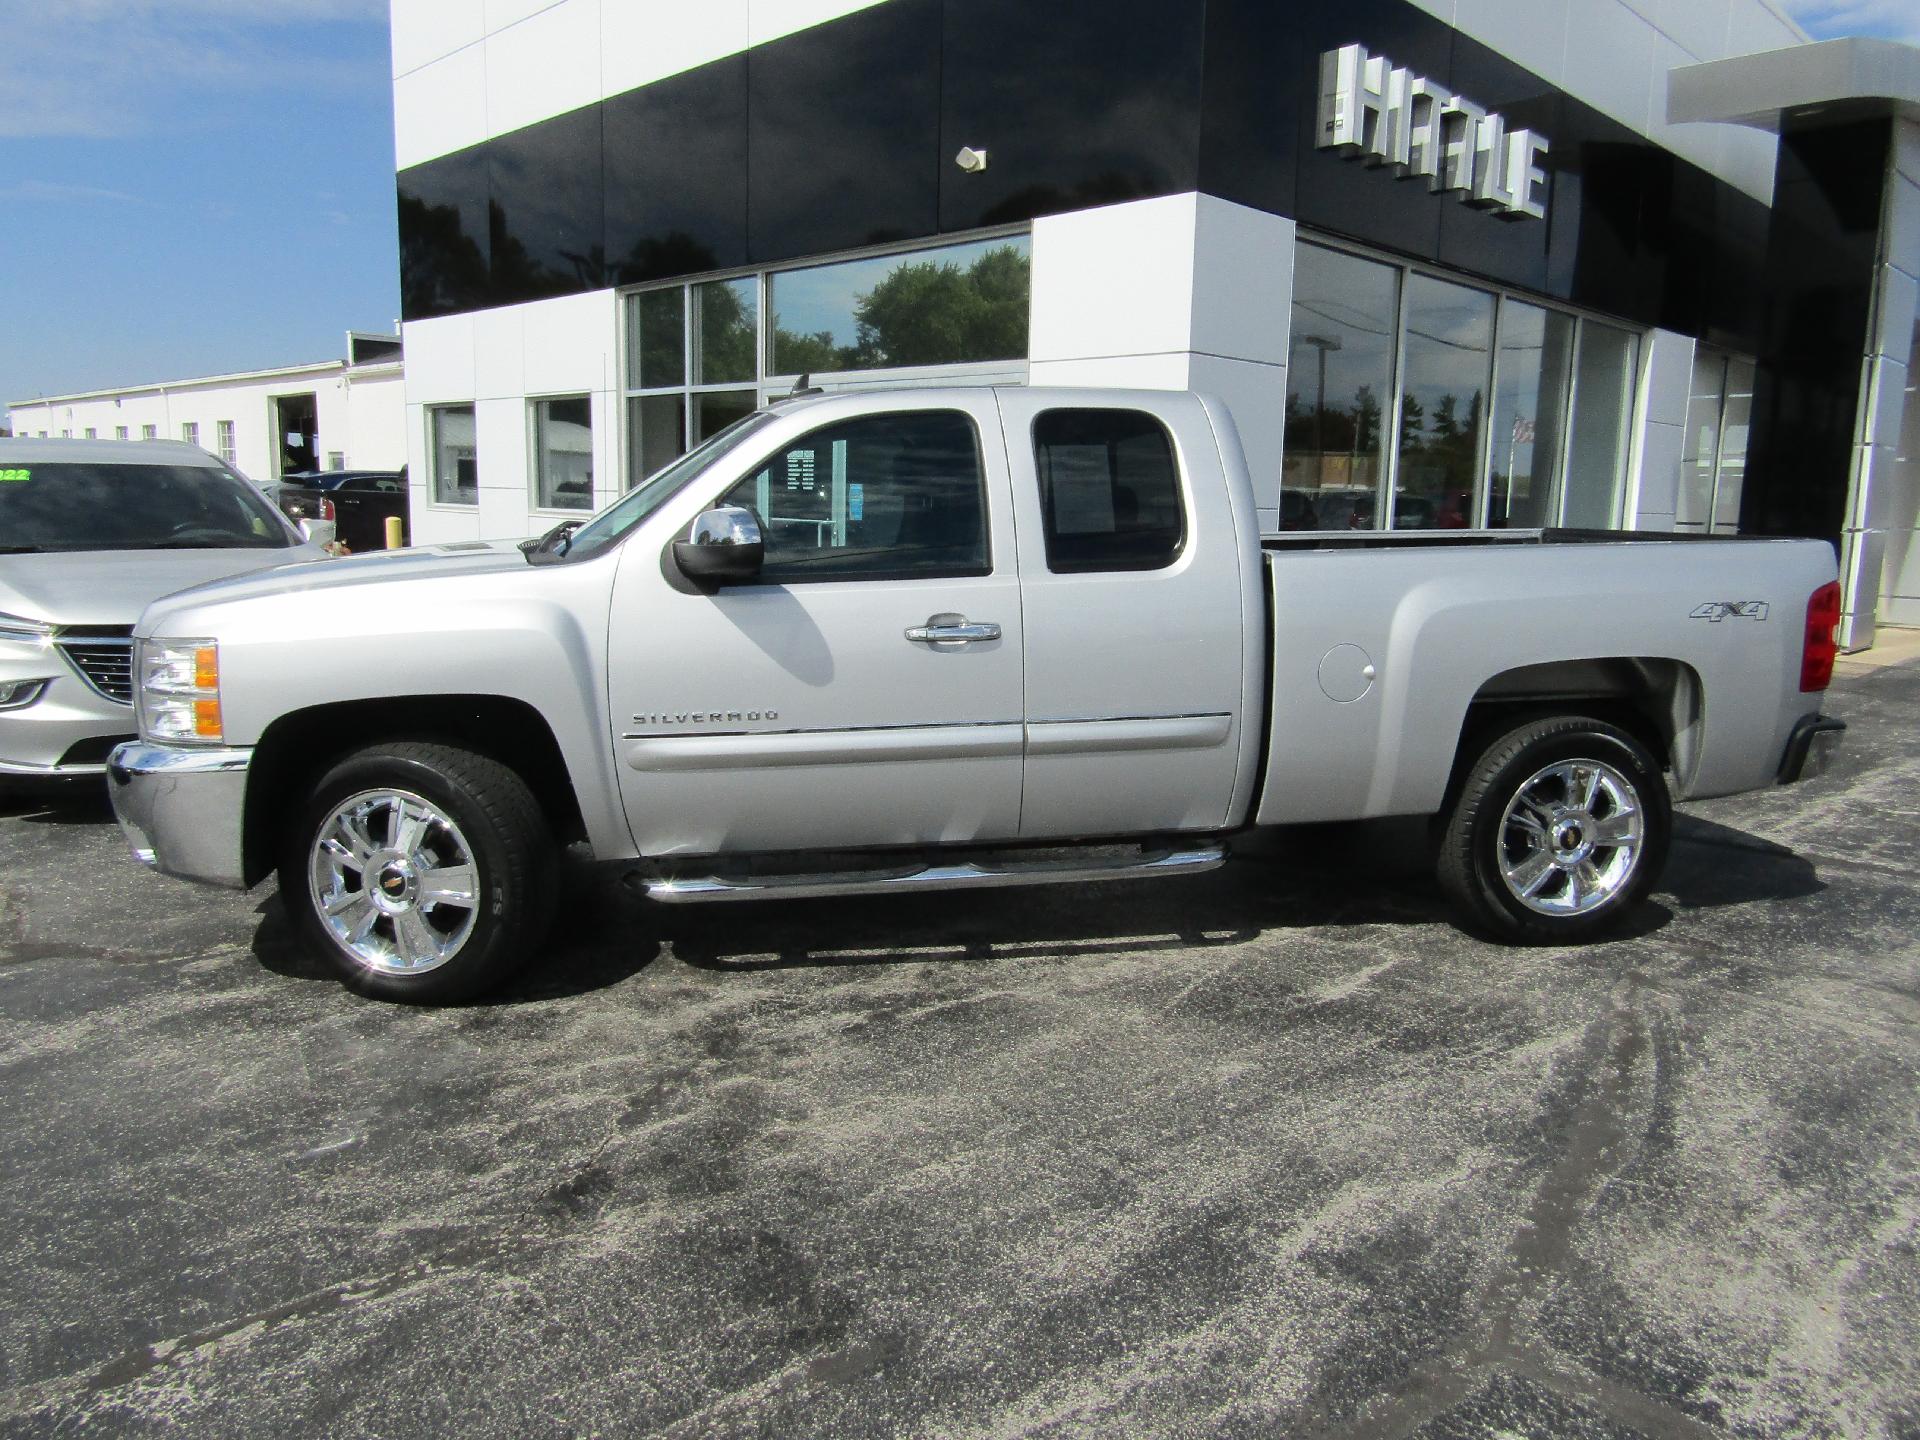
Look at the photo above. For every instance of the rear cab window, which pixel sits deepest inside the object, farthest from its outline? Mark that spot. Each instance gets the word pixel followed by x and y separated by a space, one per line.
pixel 1109 491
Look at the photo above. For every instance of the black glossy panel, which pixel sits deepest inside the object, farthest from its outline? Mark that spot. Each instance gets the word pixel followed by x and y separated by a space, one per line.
pixel 547 226
pixel 843 129
pixel 1076 102
pixel 1819 285
pixel 676 175
pixel 1736 286
pixel 1342 195
pixel 1597 170
pixel 1250 125
pixel 443 236
pixel 1483 242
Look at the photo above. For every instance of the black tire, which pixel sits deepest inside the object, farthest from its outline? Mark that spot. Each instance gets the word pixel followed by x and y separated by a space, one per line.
pixel 487 816
pixel 1479 844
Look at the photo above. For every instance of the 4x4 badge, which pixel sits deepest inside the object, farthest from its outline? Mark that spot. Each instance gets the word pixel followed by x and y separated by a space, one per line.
pixel 1715 611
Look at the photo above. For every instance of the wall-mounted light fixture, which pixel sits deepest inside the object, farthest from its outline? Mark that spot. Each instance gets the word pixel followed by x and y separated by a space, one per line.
pixel 971 160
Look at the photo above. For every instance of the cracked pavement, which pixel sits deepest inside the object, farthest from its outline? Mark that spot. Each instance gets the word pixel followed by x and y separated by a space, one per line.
pixel 1274 1151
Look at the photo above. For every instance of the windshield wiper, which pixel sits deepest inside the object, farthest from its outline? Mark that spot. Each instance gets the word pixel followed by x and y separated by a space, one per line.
pixel 22 549
pixel 555 543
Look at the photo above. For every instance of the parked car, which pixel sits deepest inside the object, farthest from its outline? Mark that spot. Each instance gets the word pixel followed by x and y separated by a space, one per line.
pixel 358 503
pixel 810 658
pixel 90 532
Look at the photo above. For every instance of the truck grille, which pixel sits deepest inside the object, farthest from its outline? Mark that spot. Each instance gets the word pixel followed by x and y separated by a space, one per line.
pixel 104 659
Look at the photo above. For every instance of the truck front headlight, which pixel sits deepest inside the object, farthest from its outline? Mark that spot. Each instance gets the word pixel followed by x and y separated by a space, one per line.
pixel 180 691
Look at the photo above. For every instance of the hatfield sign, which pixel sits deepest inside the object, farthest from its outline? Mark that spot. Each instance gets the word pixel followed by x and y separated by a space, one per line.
pixel 1394 117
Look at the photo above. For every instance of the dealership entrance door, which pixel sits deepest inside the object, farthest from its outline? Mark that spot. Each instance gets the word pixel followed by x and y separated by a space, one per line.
pixel 296 427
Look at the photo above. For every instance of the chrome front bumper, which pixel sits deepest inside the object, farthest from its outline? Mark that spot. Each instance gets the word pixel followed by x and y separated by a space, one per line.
pixel 182 809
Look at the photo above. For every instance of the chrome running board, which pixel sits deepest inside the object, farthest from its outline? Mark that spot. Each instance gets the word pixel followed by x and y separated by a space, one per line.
pixel 911 879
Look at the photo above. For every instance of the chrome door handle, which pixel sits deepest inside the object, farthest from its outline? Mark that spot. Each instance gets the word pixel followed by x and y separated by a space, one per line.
pixel 953 630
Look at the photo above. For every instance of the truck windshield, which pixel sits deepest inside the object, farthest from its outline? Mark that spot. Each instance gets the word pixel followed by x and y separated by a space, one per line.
pixel 611 525
pixel 73 505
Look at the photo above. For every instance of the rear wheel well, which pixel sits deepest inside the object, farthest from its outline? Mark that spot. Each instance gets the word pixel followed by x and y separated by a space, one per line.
pixel 1655 701
pixel 298 748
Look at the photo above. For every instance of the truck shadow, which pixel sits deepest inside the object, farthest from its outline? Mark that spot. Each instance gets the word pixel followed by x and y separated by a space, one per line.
pixel 1313 878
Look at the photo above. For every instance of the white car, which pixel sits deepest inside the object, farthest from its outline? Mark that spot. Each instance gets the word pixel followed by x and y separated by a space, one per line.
pixel 91 531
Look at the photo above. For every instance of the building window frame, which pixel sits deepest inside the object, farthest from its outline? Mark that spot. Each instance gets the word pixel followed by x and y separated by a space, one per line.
pixel 190 431
pixel 431 416
pixel 766 385
pixel 1486 451
pixel 223 440
pixel 536 426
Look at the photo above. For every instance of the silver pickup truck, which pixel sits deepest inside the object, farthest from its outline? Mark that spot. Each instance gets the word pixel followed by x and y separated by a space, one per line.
pixel 937 639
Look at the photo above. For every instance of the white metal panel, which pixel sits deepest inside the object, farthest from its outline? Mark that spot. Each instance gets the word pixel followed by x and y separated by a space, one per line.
pixel 1656 490
pixel 1609 60
pixel 502 13
pixel 643 43
pixel 770 19
pixel 440 360
pixel 500 352
pixel 1256 395
pixel 570 343
pixel 1242 272
pixel 1531 33
pixel 1169 371
pixel 544 66
pixel 427 30
pixel 1116 280
pixel 440 107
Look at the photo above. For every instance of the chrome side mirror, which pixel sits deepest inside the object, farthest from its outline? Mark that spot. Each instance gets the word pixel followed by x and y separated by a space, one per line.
pixel 316 532
pixel 724 547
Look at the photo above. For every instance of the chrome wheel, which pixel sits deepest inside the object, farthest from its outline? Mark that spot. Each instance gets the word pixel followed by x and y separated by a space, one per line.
pixel 394 882
pixel 1571 838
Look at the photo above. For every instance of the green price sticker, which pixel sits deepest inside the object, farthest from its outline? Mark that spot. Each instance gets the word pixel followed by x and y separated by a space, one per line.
pixel 7 475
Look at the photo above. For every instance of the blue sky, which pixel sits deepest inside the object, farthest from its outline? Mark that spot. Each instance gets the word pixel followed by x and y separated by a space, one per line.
pixel 197 186
pixel 190 187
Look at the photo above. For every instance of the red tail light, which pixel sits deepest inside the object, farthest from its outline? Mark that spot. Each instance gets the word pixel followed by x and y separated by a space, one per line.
pixel 1816 655
pixel 324 507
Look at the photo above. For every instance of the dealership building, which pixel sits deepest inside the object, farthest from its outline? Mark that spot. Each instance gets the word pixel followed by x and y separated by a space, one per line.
pixel 1619 264
pixel 340 414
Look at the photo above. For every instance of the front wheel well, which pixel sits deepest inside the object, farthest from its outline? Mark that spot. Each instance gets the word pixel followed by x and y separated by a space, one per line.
pixel 299 747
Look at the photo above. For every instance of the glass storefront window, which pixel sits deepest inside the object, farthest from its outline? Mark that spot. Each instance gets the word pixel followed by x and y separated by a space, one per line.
pixel 657 338
pixel 455 476
pixel 703 353
pixel 714 411
pixel 1473 407
pixel 724 333
pixel 1339 379
pixel 1713 457
pixel 1449 353
pixel 958 305
pixel 1605 361
pixel 563 453
pixel 658 425
pixel 1531 366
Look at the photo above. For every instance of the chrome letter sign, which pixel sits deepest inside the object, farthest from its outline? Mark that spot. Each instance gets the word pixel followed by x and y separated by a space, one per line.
pixel 1392 116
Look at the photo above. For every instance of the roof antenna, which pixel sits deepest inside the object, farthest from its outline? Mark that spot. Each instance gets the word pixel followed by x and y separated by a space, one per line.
pixel 805 386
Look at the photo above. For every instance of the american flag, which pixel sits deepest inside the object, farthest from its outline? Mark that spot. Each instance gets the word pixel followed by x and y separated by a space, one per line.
pixel 1522 430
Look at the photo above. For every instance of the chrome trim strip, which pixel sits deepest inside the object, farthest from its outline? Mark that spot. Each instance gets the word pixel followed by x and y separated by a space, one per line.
pixel 1099 737
pixel 912 879
pixel 775 749
pixel 139 758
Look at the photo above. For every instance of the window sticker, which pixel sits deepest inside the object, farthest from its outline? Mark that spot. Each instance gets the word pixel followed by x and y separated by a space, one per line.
pixel 856 501
pixel 15 476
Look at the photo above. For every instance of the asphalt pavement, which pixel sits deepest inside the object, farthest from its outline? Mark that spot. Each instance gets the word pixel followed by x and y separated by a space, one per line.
pixel 1274 1151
